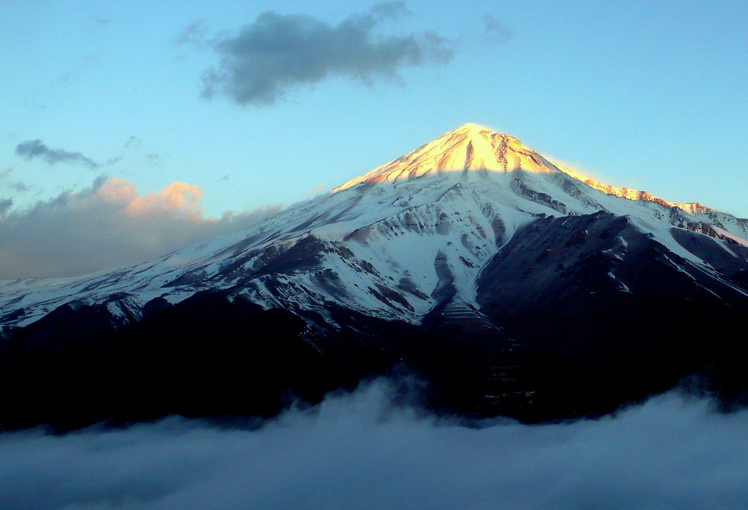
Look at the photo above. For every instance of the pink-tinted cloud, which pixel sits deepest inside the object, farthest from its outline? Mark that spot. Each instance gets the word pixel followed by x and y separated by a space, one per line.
pixel 107 225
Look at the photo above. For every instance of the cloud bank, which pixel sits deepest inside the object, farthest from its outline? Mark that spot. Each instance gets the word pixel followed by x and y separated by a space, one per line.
pixel 107 225
pixel 360 452
pixel 278 53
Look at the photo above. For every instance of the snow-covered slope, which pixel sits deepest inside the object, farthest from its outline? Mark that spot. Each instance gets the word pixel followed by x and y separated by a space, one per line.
pixel 392 243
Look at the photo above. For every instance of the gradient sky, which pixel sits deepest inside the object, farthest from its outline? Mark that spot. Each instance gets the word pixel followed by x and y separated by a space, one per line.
pixel 645 95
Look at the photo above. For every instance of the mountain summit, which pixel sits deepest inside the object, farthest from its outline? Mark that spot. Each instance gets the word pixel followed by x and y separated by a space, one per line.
pixel 470 147
pixel 512 284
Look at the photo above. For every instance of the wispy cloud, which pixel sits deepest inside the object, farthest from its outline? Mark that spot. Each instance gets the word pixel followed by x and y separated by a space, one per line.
pixel 196 33
pixel 17 186
pixel 133 142
pixel 316 190
pixel 107 225
pixel 32 149
pixel 5 205
pixel 279 53
pixel 494 30
pixel 360 452
pixel 37 149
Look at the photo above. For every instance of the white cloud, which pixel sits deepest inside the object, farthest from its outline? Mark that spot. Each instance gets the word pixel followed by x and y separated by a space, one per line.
pixel 360 452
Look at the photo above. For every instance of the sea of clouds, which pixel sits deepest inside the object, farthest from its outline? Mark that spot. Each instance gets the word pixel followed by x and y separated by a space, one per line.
pixel 359 451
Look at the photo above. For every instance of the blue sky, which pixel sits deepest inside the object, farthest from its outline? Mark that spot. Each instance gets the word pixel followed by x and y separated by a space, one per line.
pixel 646 95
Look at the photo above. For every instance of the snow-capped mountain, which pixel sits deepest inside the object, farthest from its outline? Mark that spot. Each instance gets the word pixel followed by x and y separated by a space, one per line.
pixel 389 242
pixel 514 284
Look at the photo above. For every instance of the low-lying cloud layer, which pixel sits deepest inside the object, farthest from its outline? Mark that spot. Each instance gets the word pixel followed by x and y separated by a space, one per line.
pixel 278 53
pixel 107 225
pixel 360 452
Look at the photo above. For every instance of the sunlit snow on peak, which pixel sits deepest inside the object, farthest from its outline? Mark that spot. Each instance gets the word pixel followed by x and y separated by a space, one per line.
pixel 472 127
pixel 471 149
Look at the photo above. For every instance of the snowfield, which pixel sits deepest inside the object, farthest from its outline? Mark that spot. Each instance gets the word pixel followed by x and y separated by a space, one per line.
pixel 388 243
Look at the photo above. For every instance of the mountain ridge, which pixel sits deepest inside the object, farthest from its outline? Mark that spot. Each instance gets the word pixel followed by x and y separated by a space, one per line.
pixel 511 285
pixel 388 203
